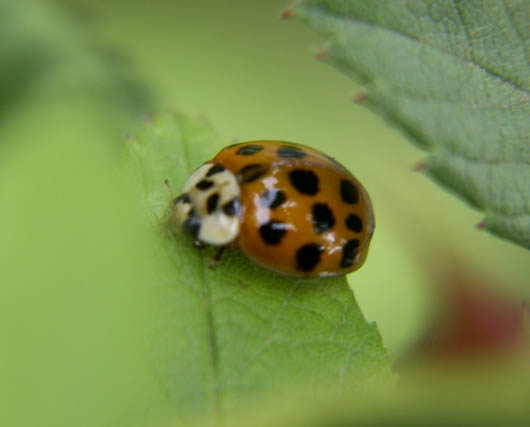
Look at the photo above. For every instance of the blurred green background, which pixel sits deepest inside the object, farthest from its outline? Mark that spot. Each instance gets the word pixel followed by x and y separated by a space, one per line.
pixel 77 76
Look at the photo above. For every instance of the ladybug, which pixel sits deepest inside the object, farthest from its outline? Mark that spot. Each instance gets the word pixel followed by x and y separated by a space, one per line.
pixel 288 207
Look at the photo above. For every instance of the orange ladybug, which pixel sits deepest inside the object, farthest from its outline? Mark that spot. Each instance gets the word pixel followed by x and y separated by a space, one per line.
pixel 288 207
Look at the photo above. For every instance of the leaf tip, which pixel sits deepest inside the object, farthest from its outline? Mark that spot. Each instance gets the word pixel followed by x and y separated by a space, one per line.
pixel 288 12
pixel 419 167
pixel 360 97
pixel 321 53
pixel 480 225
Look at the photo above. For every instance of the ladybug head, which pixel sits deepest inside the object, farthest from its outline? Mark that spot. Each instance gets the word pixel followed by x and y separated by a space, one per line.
pixel 208 206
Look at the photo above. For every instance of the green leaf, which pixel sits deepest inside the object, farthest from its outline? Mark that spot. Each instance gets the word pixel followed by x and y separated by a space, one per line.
pixel 454 77
pixel 229 332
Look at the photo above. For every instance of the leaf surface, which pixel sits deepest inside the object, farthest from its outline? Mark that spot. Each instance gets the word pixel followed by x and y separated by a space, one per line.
pixel 454 77
pixel 231 331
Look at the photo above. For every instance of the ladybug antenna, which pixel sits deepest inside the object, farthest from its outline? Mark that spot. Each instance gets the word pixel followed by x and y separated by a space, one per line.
pixel 171 190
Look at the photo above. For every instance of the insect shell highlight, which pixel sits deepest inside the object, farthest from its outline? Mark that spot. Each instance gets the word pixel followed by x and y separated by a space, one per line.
pixel 289 208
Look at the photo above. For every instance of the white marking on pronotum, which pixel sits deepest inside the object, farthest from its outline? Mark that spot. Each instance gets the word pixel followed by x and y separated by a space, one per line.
pixel 216 228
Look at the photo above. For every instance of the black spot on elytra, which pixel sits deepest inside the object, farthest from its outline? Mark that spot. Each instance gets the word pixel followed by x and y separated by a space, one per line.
pixel 290 152
pixel 349 192
pixel 192 224
pixel 248 150
pixel 211 203
pixel 231 208
pixel 323 219
pixel 308 256
pixel 204 184
pixel 183 198
pixel 354 223
pixel 252 172
pixel 272 198
pixel 305 181
pixel 215 169
pixel 349 251
pixel 273 232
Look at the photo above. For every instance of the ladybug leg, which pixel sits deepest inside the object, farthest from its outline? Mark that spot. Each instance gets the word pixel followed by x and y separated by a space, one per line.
pixel 198 244
pixel 215 260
